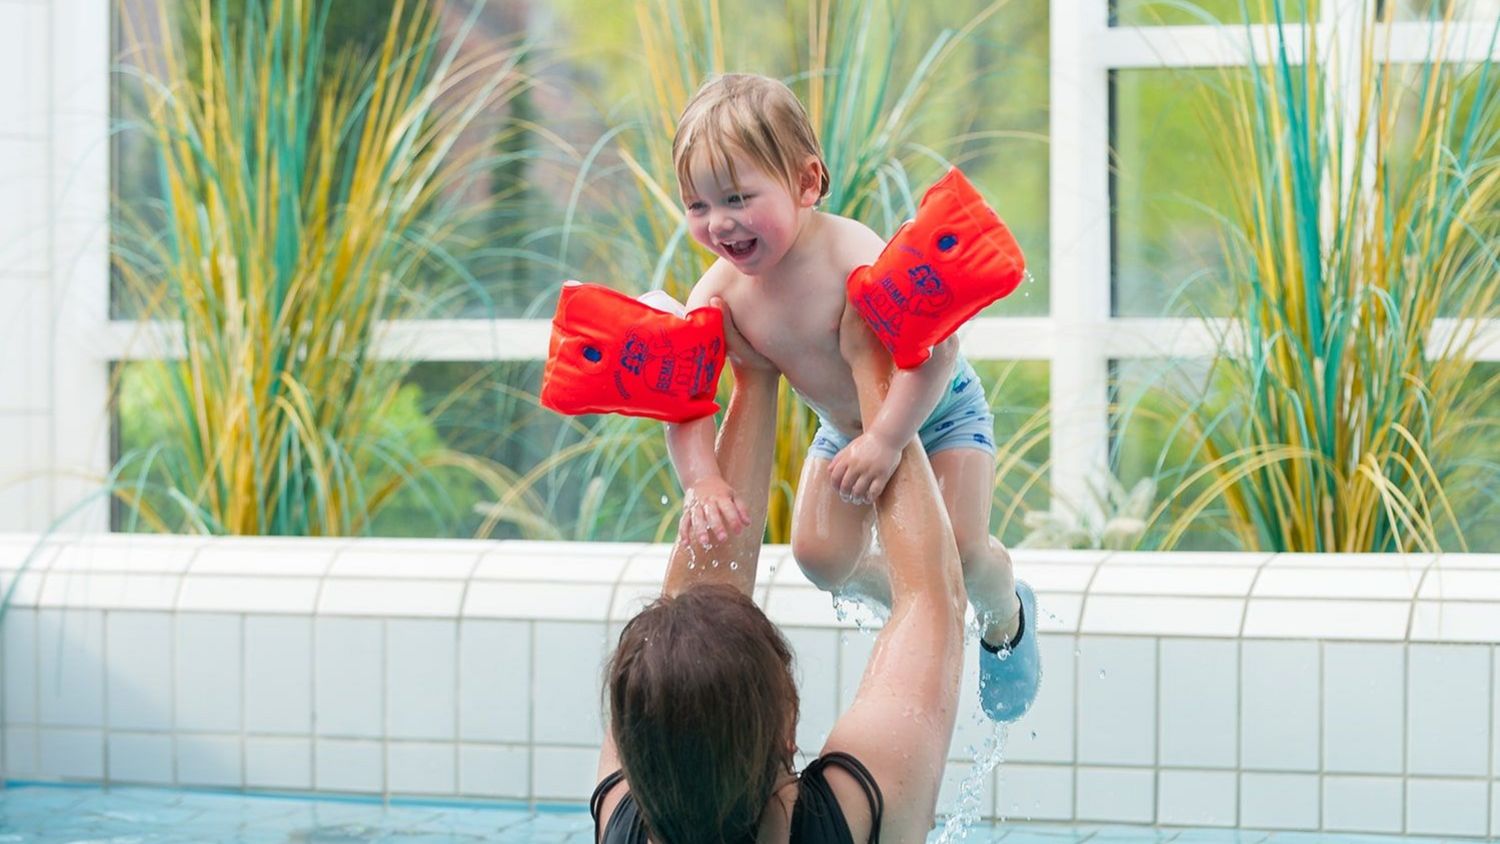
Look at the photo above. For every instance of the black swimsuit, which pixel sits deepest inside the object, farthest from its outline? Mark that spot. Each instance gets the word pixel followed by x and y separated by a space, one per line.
pixel 817 817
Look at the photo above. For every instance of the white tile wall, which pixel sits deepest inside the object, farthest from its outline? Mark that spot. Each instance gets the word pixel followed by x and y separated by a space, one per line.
pixel 348 663
pixel 278 762
pixel 494 681
pixel 139 671
pixel 1363 707
pixel 1448 723
pixel 208 673
pixel 494 771
pixel 1271 731
pixel 23 63
pixel 70 668
pixel 1197 798
pixel 567 683
pixel 24 306
pixel 268 557
pixel 1119 795
pixel 1116 702
pixel 20 649
pixel 1363 804
pixel 421 684
pixel 1279 705
pixel 1495 809
pixel 382 598
pixel 70 754
pixel 140 758
pixel 1447 807
pixel 278 674
pixel 348 765
pixel 1163 616
pixel 21 752
pixel 209 760
pixel 537 601
pixel 422 768
pixel 563 773
pixel 1034 792
pixel 1319 619
pixel 230 593
pixel 1045 734
pixel 1279 801
pixel 23 203
pixel 1199 702
pixel 815 663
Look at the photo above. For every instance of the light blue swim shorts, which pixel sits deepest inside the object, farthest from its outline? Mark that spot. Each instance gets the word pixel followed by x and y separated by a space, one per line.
pixel 962 419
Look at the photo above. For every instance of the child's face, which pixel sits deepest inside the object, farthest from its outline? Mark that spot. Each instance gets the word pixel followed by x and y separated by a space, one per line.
pixel 753 224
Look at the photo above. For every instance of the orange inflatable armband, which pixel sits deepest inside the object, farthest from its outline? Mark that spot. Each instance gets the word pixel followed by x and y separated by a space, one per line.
pixel 611 353
pixel 941 268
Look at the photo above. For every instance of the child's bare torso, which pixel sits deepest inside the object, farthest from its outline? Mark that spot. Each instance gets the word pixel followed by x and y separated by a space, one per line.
pixel 793 318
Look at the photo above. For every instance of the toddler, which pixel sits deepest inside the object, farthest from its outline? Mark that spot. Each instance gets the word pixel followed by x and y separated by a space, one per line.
pixel 751 175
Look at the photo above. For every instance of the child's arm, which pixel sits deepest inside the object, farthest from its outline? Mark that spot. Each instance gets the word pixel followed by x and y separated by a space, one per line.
pixel 745 447
pixel 713 509
pixel 862 470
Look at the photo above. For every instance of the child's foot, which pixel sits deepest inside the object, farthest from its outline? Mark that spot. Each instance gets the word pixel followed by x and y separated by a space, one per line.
pixel 1010 674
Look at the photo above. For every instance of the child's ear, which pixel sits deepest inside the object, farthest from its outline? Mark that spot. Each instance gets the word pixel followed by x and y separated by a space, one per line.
pixel 810 181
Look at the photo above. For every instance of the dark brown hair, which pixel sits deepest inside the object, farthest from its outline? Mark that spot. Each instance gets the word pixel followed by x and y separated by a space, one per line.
pixel 703 709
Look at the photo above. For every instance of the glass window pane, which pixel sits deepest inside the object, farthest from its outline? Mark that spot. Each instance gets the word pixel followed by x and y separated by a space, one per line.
pixel 1169 187
pixel 1207 12
pixel 1421 10
pixel 1156 447
pixel 1019 397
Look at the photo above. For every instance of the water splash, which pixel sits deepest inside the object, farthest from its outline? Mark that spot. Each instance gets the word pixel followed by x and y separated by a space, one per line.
pixel 863 612
pixel 987 756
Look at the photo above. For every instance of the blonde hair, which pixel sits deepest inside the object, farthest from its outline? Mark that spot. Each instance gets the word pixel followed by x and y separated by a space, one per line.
pixel 754 116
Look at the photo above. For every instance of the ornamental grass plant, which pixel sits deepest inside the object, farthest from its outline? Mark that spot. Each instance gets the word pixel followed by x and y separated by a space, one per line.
pixel 302 198
pixel 1344 411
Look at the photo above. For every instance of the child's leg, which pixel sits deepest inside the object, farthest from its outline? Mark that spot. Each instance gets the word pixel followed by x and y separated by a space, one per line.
pixel 966 477
pixel 831 537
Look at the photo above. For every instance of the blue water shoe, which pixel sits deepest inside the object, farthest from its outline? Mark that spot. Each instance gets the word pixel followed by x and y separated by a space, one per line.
pixel 1009 676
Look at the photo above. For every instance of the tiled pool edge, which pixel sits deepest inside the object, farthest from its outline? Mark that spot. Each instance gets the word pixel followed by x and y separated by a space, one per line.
pixel 1341 693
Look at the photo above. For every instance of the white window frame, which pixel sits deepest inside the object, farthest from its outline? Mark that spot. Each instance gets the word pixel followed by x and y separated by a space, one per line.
pixel 1079 338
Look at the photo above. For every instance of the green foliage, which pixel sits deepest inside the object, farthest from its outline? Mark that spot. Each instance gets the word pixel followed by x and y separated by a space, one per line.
pixel 301 195
pixel 1336 416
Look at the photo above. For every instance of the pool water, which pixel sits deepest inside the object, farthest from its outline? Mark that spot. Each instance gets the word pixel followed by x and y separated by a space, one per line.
pixel 52 814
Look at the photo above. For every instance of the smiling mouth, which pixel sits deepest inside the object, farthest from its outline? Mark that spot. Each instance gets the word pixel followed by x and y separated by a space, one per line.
pixel 740 248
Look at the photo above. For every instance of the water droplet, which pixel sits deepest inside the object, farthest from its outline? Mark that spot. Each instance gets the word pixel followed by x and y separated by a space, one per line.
pixel 733 566
pixel 1101 673
pixel 1078 652
pixel 1033 733
pixel 663 500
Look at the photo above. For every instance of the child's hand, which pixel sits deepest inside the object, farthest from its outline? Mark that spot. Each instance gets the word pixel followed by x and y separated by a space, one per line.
pixel 861 471
pixel 712 510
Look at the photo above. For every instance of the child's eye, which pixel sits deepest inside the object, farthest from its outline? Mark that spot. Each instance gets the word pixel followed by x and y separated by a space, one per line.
pixel 697 207
pixel 738 199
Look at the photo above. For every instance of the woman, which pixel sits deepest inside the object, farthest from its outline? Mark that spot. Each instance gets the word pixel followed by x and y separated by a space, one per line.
pixel 702 705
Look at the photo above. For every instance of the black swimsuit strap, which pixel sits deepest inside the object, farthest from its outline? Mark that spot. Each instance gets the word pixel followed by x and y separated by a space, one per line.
pixel 861 775
pixel 600 792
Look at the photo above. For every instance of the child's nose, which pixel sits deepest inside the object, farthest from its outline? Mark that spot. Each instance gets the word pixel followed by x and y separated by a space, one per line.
pixel 720 222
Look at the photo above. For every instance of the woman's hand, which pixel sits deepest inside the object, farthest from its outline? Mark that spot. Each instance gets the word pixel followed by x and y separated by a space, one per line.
pixel 711 510
pixel 742 355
